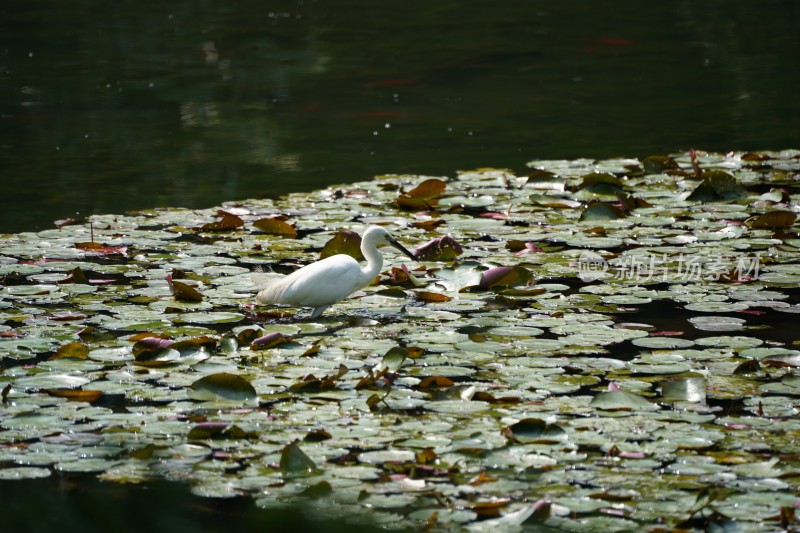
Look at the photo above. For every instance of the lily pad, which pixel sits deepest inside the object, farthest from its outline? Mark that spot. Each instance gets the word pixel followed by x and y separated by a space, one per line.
pixel 223 386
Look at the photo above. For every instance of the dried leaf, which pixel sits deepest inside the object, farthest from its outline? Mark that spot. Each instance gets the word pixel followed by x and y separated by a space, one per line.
pixel 656 164
pixel 427 296
pixel 343 242
pixel 274 226
pixel 76 275
pixel 425 195
pixel 72 350
pixel 270 340
pixel 716 186
pixel 182 291
pixel 505 277
pixel 773 220
pixel 75 395
pixel 226 223
pixel 439 249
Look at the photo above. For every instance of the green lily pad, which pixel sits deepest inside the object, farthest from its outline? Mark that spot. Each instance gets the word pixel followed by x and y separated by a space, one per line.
pixel 222 386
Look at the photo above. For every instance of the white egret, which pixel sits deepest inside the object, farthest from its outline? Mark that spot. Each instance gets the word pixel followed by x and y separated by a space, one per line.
pixel 322 284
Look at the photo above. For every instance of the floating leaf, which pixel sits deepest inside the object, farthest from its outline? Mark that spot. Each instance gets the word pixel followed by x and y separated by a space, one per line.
pixel 72 350
pixel 76 275
pixel 716 186
pixel 427 296
pixel 226 223
pixel 157 357
pixel 505 277
pixel 601 184
pixel 216 430
pixel 76 395
pixel 655 164
pixel 295 461
pixel 270 340
pixel 394 358
pixel 557 202
pixel 149 344
pixel 692 389
pixel 529 430
pixel 343 242
pixel 183 291
pixel 222 386
pixel 102 249
pixel 424 195
pixel 619 400
pixel 317 490
pixel 435 381
pixel 275 226
pixel 442 248
pixel 601 211
pixel 428 225
pixel 773 220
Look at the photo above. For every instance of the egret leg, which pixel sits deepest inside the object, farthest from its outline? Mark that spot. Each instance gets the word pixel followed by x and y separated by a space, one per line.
pixel 318 311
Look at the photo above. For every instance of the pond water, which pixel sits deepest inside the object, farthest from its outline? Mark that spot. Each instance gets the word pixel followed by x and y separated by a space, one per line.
pixel 114 107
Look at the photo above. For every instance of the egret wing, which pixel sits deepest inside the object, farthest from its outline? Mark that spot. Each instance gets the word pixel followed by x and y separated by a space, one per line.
pixel 322 283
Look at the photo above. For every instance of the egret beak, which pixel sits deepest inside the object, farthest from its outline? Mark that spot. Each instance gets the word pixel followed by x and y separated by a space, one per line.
pixel 401 248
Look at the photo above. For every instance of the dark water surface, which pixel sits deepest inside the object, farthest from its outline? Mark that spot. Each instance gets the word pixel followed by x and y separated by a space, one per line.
pixel 114 106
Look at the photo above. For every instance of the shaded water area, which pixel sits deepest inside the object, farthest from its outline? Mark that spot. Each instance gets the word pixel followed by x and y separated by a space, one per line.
pixel 107 108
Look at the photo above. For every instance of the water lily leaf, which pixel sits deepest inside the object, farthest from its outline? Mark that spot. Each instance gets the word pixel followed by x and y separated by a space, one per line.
pixel 317 490
pixel 72 350
pixel 530 430
pixel 600 184
pixel 427 296
pixel 691 389
pixel 221 317
pixel 435 381
pixel 656 164
pixel 557 202
pixel 76 275
pixel 295 461
pixel 424 195
pixel 275 226
pixel 217 430
pixel 157 357
pixel 782 360
pixel 403 276
pixel 182 291
pixel 454 279
pixel 773 220
pixel 222 386
pixel 343 242
pixel 189 347
pixel 428 225
pixel 441 248
pixel 394 358
pixel 716 186
pixel 311 383
pixel 270 340
pixel 601 211
pixel 76 395
pixel 505 277
pixel 619 400
pixel 148 343
pixel 226 223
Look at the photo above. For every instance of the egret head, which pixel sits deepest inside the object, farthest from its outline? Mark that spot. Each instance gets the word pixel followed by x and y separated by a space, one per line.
pixel 379 236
